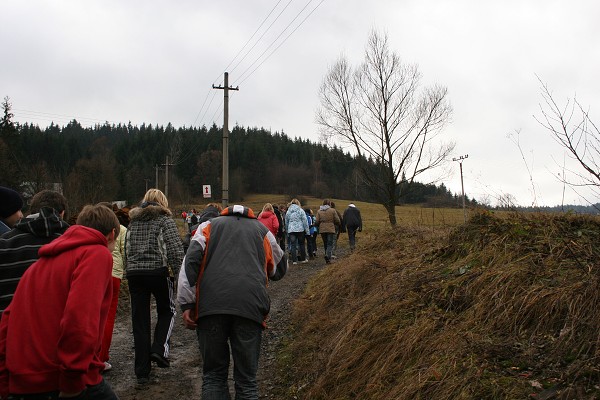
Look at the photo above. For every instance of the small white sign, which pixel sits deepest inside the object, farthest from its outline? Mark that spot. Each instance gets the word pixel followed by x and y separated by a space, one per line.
pixel 206 191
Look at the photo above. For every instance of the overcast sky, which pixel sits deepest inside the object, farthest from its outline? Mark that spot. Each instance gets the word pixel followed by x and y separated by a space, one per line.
pixel 155 62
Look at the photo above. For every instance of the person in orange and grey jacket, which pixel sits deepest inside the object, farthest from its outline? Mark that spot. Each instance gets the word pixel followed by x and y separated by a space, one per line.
pixel 222 291
pixel 327 220
pixel 352 222
pixel 153 255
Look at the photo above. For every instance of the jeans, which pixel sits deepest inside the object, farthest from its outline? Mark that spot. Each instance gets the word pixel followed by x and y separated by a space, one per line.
pixel 297 243
pixel 215 334
pixel 311 245
pixel 352 236
pixel 328 244
pixel 101 391
pixel 141 288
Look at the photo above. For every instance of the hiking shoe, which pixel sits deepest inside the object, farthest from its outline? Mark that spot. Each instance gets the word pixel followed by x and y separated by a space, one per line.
pixel 143 383
pixel 161 362
pixel 107 366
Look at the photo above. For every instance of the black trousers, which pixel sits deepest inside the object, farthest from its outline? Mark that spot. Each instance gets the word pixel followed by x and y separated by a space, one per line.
pixel 141 288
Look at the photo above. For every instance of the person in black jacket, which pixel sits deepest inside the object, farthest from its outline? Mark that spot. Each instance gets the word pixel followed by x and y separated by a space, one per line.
pixel 352 222
pixel 19 247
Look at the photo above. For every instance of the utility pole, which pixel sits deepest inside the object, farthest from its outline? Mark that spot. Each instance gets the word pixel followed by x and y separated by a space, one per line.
pixel 147 180
pixel 226 88
pixel 156 180
pixel 460 161
pixel 166 165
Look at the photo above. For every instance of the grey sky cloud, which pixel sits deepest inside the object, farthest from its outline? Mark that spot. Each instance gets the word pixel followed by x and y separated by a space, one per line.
pixel 152 62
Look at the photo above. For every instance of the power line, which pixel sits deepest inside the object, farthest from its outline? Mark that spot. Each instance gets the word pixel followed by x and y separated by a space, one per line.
pixel 254 34
pixel 243 79
pixel 264 33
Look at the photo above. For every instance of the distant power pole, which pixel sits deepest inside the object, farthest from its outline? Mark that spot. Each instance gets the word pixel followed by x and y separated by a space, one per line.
pixel 166 165
pixel 226 88
pixel 147 180
pixel 156 180
pixel 460 161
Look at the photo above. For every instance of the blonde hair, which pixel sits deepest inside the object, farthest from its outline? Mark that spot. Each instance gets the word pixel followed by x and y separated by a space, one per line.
pixel 156 196
pixel 268 207
pixel 295 201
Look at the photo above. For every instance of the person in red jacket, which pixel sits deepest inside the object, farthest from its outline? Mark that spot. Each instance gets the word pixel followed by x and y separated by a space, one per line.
pixel 269 219
pixel 51 333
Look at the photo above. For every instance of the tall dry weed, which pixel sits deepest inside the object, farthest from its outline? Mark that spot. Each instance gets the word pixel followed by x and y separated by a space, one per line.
pixel 498 308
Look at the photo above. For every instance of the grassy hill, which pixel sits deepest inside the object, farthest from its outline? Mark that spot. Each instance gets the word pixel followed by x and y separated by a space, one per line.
pixel 498 308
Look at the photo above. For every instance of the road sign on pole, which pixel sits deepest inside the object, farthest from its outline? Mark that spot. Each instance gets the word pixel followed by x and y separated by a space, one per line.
pixel 206 191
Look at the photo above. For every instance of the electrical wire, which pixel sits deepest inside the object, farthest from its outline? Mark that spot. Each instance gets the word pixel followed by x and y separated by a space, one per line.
pixel 251 37
pixel 242 78
pixel 263 35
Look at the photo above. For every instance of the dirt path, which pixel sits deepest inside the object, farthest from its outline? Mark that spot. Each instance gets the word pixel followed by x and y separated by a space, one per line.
pixel 184 379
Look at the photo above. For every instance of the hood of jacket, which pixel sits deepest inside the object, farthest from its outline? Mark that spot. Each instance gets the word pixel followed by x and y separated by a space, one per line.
pixel 46 223
pixel 238 210
pixel 75 236
pixel 148 212
pixel 324 207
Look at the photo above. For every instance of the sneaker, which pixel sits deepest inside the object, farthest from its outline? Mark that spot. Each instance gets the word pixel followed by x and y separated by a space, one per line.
pixel 304 262
pixel 294 263
pixel 333 256
pixel 107 366
pixel 327 260
pixel 161 362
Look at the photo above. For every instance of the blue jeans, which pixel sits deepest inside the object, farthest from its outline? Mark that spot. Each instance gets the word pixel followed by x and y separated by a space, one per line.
pixel 297 243
pixel 328 244
pixel 352 236
pixel 215 334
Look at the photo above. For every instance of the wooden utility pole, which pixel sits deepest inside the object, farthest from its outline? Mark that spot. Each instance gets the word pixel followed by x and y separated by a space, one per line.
pixel 226 89
pixel 166 165
pixel 156 181
pixel 460 161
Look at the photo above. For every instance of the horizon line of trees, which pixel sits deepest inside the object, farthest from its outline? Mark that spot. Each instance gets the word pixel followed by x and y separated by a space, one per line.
pixel 118 162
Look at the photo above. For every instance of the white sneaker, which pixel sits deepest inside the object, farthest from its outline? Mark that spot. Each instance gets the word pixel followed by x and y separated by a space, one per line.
pixel 107 366
pixel 304 262
pixel 294 263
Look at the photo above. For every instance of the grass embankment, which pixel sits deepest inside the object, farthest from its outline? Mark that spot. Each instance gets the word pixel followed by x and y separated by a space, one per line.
pixel 498 308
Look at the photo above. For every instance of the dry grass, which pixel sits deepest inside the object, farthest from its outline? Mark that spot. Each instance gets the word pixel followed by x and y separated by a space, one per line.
pixel 374 215
pixel 499 308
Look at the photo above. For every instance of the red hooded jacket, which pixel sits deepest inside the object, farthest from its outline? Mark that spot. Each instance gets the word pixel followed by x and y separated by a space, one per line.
pixel 51 333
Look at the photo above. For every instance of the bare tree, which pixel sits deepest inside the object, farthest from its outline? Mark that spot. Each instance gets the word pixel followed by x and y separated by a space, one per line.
pixel 380 111
pixel 572 128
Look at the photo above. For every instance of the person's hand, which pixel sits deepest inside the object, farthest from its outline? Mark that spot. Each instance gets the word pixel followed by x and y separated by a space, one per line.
pixel 188 321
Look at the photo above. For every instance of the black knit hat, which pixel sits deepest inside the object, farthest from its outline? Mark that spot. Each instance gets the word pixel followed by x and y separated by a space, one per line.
pixel 10 202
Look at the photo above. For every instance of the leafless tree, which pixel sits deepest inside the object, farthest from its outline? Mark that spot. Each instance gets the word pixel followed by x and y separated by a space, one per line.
pixel 572 128
pixel 380 111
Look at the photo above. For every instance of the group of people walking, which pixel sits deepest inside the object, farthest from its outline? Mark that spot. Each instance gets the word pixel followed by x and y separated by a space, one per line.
pixel 300 228
pixel 60 288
